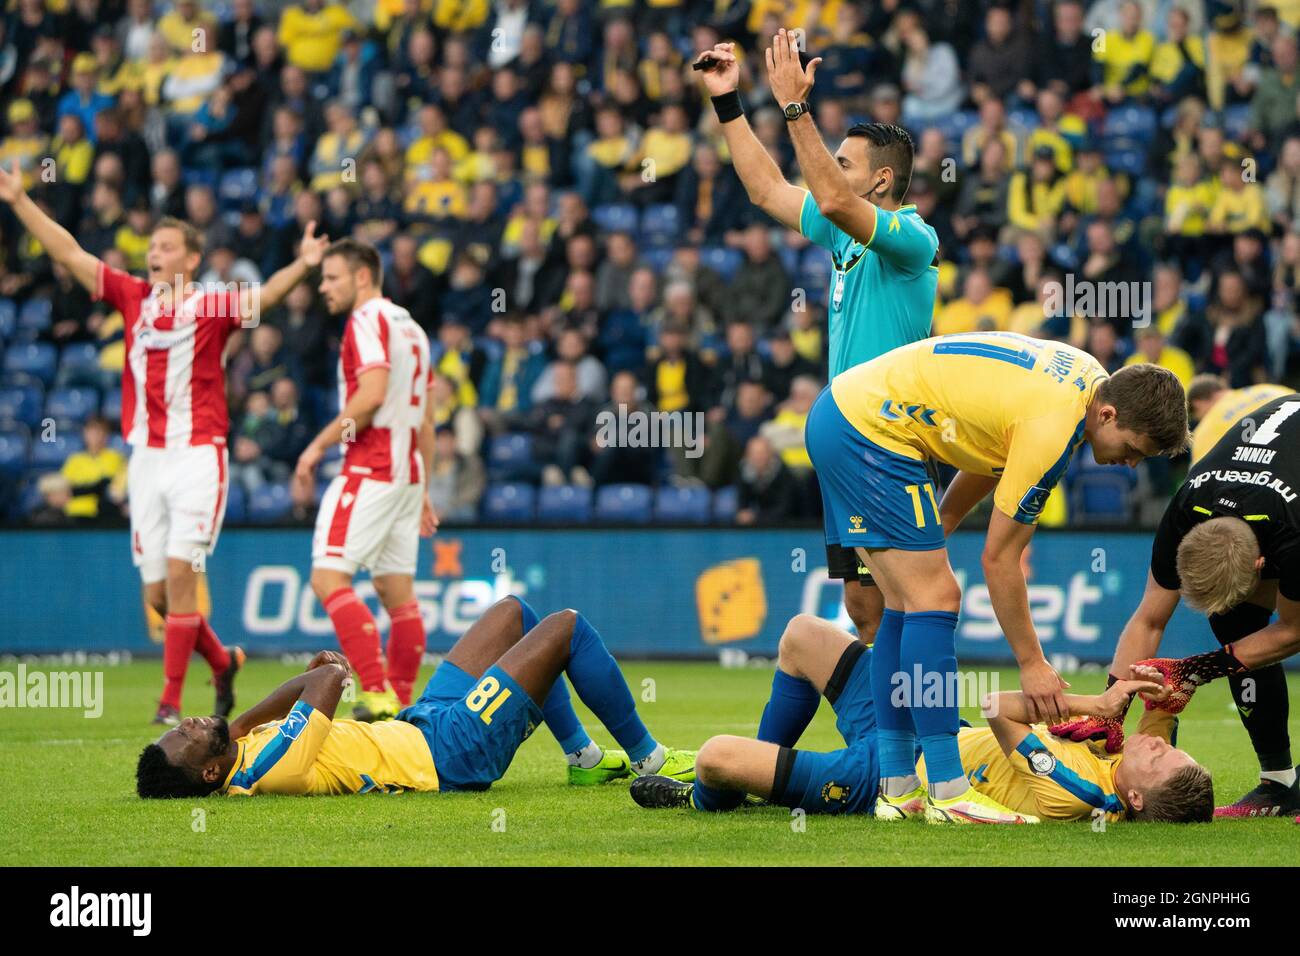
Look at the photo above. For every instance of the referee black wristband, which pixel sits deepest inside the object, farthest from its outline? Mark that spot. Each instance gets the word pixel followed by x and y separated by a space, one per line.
pixel 728 106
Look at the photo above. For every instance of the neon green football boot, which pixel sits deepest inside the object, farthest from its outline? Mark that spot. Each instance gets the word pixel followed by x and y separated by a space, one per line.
pixel 375 705
pixel 678 765
pixel 972 807
pixel 613 765
pixel 910 806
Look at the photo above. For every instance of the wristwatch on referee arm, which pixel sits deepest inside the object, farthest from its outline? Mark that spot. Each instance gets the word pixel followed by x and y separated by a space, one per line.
pixel 794 110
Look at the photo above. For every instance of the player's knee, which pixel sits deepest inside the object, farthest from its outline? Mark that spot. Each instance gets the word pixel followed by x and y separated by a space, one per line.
pixel 795 637
pixel 324 583
pixel 941 594
pixel 714 759
pixel 559 625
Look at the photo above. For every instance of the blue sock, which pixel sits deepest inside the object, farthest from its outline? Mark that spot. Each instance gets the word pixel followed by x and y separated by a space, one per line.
pixel 601 687
pixel 895 736
pixel 557 708
pixel 789 710
pixel 704 797
pixel 930 643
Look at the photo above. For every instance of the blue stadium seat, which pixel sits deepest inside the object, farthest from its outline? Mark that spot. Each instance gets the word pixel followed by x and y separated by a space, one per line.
pixel 269 504
pixel 721 260
pixel 36 316
pixel 510 503
pixel 21 405
pixel 1025 118
pixel 50 455
pixel 660 226
pixel 688 505
pixel 1101 498
pixel 623 504
pixel 510 457
pixel 112 406
pixel 1136 121
pixel 236 187
pixel 615 217
pixel 725 504
pixel 236 504
pixel 201 177
pixel 1236 120
pixel 78 365
pixel 564 504
pixel 37 359
pixel 75 404
pixel 29 498
pixel 656 259
pixel 14 450
pixel 8 319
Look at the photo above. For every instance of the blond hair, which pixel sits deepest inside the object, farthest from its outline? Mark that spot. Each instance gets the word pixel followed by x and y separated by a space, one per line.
pixel 1216 564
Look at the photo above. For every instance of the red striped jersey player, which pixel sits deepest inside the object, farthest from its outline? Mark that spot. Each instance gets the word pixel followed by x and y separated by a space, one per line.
pixel 174 415
pixel 376 509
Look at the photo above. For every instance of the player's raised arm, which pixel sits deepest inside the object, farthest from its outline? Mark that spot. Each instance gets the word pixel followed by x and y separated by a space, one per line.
pixel 355 417
pixel 321 686
pixel 57 242
pixel 272 292
pixel 1010 713
pixel 759 174
pixel 791 83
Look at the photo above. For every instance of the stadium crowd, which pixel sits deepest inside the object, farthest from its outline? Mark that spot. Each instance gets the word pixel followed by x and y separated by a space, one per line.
pixel 555 205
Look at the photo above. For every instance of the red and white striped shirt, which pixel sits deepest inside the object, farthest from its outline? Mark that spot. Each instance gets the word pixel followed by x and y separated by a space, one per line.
pixel 380 334
pixel 174 378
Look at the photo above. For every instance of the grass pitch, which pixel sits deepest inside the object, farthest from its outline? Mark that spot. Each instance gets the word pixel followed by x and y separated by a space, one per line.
pixel 67 798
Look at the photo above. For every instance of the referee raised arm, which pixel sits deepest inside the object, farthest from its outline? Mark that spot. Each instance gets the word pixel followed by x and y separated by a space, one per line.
pixel 884 255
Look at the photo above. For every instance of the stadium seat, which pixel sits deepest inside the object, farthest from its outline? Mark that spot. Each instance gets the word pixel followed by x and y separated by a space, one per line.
pixel 236 504
pixel 21 405
pixel 36 316
pixel 236 187
pixel 37 359
pixel 1138 122
pixel 269 504
pixel 623 504
pixel 656 259
pixel 722 260
pixel 564 504
pixel 8 319
pixel 1101 498
pixel 510 457
pixel 75 404
pixel 78 365
pixel 615 217
pixel 50 455
pixel 1236 121
pixel 659 226
pixel 510 503
pixel 112 406
pixel 14 451
pixel 725 504
pixel 687 505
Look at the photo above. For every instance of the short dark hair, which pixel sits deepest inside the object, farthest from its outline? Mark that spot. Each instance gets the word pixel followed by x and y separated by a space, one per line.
pixel 157 778
pixel 193 240
pixel 1150 400
pixel 1186 797
pixel 891 146
pixel 359 255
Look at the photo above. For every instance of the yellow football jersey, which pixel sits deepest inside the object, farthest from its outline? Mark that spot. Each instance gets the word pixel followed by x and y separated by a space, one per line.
pixel 1230 408
pixel 995 404
pixel 307 753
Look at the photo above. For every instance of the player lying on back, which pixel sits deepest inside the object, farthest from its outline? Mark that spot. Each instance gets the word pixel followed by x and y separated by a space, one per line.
pixel 461 734
pixel 1008 411
pixel 1229 544
pixel 1011 763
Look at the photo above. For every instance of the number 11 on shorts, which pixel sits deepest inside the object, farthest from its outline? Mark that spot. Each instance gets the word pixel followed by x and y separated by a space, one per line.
pixel 915 492
pixel 486 695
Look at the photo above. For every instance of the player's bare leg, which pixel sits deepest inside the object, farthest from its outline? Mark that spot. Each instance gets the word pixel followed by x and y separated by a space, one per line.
pixel 406 632
pixel 177 599
pixel 865 604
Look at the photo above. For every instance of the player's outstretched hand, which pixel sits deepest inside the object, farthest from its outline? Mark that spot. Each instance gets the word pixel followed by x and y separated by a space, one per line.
pixel 724 77
pixel 1080 729
pixel 11 183
pixel 329 657
pixel 303 485
pixel 1175 690
pixel 428 519
pixel 790 82
pixel 312 248
pixel 1043 690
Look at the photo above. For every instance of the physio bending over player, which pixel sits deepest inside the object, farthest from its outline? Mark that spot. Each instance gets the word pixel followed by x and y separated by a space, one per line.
pixel 462 733
pixel 1229 543
pixel 883 253
pixel 1008 411
pixel 1032 773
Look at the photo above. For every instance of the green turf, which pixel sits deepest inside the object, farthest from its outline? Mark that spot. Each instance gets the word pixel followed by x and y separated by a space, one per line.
pixel 66 798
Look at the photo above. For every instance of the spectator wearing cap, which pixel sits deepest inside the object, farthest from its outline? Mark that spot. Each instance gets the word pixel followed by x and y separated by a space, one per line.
pixel 457 480
pixel 83 100
pixel 133 238
pixel 311 33
pixel 41 83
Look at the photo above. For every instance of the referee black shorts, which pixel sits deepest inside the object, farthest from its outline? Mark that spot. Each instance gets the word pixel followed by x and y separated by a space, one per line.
pixel 843 564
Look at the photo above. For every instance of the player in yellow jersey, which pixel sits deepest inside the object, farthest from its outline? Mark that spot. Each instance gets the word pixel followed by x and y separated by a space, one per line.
pixel 462 733
pixel 1010 762
pixel 1007 411
pixel 1214 408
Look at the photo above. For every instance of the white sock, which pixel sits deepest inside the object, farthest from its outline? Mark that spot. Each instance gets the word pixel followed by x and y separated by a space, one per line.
pixel 899 786
pixel 949 789
pixel 1285 777
pixel 587 757
pixel 651 762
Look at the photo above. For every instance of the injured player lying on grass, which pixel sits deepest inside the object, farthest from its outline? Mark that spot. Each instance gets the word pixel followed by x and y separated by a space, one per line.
pixel 461 734
pixel 1020 773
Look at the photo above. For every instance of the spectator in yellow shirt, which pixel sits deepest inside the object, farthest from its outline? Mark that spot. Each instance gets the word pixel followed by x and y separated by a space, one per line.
pixel 1037 195
pixel 665 151
pixel 981 308
pixel 785 430
pixel 434 135
pixel 73 154
pixel 1178 63
pixel 337 150
pixel 1153 347
pixel 188 28
pixel 1240 205
pixel 992 125
pixel 438 196
pixel 1125 57
pixel 97 474
pixel 457 16
pixel 312 33
pixel 25 142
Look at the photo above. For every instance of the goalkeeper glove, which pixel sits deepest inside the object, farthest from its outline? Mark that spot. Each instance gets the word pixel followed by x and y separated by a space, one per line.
pixel 1186 675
